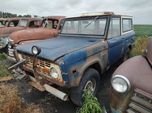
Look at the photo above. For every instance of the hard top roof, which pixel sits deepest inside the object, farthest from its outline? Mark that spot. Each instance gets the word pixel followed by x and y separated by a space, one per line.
pixel 100 14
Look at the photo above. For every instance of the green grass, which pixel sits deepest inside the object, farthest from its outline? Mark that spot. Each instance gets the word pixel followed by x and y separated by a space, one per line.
pixel 143 30
pixel 3 71
pixel 3 67
pixel 2 56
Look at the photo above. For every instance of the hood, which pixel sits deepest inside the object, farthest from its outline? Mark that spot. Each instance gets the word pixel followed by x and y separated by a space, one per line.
pixel 5 31
pixel 52 49
pixel 138 71
pixel 33 34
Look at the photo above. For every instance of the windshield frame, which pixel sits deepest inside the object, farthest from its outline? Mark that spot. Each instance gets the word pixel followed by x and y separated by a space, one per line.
pixel 91 18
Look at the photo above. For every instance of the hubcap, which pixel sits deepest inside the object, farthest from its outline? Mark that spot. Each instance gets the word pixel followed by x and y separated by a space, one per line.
pixel 90 86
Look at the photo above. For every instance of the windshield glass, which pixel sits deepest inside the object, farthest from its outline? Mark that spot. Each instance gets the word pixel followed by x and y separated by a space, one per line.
pixel 93 26
pixel 23 23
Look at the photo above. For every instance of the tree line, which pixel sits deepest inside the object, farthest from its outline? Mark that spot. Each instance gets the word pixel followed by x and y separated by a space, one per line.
pixel 10 15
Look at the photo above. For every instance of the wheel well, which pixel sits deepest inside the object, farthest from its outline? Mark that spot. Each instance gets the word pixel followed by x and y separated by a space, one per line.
pixel 96 66
pixel 130 47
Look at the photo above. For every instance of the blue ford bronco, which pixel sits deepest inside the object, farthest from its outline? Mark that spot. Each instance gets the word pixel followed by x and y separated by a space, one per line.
pixel 76 60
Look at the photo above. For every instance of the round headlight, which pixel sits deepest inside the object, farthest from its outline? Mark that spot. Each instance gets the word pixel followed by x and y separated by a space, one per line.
pixel 54 73
pixel 36 50
pixel 120 83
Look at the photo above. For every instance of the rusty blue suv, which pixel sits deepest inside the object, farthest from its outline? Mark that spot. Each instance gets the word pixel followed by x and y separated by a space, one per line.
pixel 76 60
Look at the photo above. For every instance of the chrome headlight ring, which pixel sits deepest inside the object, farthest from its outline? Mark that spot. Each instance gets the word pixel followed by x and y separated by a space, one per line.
pixel 120 83
pixel 36 50
pixel 55 71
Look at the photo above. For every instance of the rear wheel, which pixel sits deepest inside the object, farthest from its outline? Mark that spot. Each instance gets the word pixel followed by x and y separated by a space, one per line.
pixel 126 55
pixel 90 81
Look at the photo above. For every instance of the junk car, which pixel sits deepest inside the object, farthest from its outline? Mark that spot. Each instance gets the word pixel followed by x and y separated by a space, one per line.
pixel 75 61
pixel 131 90
pixel 9 22
pixel 23 23
pixel 49 29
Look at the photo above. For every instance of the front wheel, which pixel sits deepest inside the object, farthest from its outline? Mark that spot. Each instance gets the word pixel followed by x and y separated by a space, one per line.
pixel 90 82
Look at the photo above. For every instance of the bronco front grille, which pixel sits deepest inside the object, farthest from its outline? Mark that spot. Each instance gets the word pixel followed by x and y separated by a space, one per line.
pixel 40 63
pixel 29 60
pixel 141 102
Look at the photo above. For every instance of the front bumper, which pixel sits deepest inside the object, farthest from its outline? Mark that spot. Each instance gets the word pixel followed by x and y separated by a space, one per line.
pixel 39 82
pixel 43 77
pixel 46 87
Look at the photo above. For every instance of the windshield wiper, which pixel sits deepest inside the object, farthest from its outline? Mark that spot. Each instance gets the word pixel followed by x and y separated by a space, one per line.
pixel 94 20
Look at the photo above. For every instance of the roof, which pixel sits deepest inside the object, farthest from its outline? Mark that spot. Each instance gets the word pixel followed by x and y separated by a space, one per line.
pixel 2 19
pixel 11 19
pixel 31 18
pixel 54 17
pixel 100 14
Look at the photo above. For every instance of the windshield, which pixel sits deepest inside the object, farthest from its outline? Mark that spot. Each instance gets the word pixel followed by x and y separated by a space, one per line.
pixel 23 23
pixel 93 26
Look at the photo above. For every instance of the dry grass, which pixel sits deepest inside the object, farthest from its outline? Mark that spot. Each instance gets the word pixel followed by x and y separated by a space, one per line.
pixel 140 46
pixel 10 102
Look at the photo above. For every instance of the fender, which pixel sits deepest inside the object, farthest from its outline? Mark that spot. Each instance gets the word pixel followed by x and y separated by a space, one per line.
pixel 99 59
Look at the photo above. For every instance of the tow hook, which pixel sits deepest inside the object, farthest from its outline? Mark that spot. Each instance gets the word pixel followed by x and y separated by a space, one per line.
pixel 17 72
pixel 16 65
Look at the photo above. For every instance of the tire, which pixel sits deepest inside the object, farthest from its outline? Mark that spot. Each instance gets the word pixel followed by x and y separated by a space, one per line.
pixel 91 75
pixel 126 55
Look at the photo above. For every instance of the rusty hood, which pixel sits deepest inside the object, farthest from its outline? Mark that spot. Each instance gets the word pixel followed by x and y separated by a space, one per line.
pixel 5 31
pixel 138 71
pixel 52 49
pixel 33 34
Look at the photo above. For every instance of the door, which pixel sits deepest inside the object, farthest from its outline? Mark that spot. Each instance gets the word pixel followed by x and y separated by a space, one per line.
pixel 115 41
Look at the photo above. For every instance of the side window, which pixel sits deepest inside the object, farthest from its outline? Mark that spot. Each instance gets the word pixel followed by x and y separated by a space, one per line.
pixel 16 22
pixel 31 24
pixel 114 28
pixel 34 24
pixel 11 24
pixel 126 24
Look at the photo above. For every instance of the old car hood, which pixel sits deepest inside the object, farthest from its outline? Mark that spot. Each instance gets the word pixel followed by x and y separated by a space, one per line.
pixel 138 71
pixel 33 34
pixel 5 31
pixel 52 49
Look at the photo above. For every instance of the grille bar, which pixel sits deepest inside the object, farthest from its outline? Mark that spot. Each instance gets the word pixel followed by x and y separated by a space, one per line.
pixel 130 111
pixel 40 63
pixel 141 102
pixel 138 108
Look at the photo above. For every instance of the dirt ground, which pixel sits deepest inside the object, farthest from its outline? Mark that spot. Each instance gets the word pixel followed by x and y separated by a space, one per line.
pixel 50 104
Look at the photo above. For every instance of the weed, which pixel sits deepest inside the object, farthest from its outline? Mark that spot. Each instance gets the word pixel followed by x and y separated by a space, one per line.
pixel 90 104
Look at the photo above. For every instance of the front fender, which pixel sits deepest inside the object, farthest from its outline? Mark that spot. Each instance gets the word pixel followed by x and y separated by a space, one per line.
pixel 101 59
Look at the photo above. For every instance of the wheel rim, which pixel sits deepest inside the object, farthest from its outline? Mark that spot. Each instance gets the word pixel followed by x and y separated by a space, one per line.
pixel 90 86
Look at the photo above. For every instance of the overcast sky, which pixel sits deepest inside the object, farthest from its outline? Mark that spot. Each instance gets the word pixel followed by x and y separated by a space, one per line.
pixel 140 9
